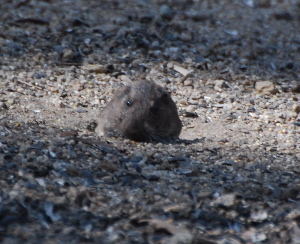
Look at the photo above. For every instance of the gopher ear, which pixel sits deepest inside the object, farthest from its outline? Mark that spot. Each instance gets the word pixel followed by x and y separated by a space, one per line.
pixel 164 95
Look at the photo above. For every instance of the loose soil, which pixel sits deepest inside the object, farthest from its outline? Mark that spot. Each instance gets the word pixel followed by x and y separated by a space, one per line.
pixel 232 68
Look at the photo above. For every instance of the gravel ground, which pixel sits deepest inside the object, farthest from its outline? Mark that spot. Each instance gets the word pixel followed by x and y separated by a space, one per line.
pixel 232 68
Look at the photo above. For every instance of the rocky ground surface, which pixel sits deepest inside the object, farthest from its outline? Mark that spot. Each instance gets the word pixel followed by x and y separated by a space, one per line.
pixel 232 68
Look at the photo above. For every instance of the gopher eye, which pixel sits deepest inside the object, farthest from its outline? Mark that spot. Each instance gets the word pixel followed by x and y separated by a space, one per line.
pixel 128 103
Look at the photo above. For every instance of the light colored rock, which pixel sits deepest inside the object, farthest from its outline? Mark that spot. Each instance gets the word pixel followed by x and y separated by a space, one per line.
pixel 296 108
pixel 264 87
pixel 181 70
pixel 94 68
pixel 226 200
pixel 68 54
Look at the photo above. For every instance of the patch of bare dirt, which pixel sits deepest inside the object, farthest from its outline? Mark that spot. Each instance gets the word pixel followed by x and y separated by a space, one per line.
pixel 232 68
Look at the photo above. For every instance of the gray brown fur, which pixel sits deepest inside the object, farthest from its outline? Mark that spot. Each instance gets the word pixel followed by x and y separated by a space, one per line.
pixel 143 111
